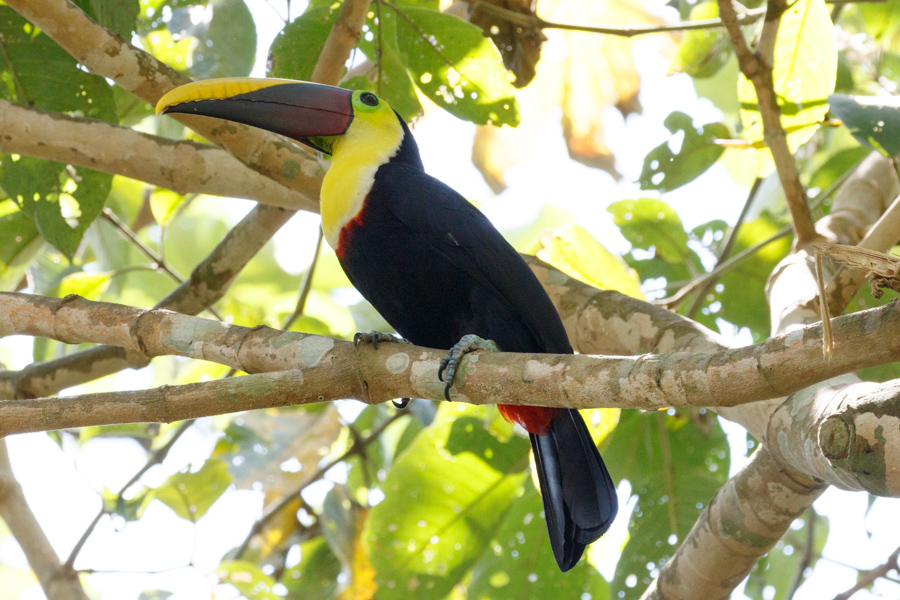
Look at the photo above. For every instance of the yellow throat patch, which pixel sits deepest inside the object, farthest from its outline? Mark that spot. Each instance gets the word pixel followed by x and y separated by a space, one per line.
pixel 373 138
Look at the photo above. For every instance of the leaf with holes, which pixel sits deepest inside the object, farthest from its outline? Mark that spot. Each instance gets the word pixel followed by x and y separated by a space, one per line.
pixel 649 222
pixel 62 200
pixel 688 154
pixel 520 565
pixel 191 494
pixel 455 65
pixel 674 469
pixel 443 498
pixel 873 120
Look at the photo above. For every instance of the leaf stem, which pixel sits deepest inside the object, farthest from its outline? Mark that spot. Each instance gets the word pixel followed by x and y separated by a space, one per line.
pixel 155 459
pixel 725 250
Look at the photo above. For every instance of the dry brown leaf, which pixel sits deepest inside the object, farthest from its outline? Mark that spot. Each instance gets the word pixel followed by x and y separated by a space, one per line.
pixel 519 46
pixel 883 270
pixel 584 74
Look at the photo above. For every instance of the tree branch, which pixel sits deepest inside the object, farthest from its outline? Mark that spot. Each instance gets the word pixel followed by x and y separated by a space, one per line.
pixel 58 583
pixel 744 520
pixel 758 69
pixel 331 369
pixel 532 21
pixel 182 166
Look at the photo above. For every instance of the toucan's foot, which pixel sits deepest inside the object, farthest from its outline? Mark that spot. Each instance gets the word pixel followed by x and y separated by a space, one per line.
pixel 377 337
pixel 468 343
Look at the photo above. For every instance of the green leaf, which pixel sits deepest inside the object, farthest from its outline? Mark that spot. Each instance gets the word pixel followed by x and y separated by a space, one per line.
pixel 21 244
pixel 130 509
pixel 248 579
pixel 743 298
pixel 390 80
pixel 573 250
pixel 455 65
pixel 882 20
pixel 804 74
pixel 164 205
pixel 117 15
pixel 873 120
pixel 316 576
pixel 836 165
pixel 296 48
pixel 687 155
pixel 649 222
pixel 62 200
pixel 702 52
pixel 443 498
pixel 674 470
pixel 86 285
pixel 228 47
pixel 520 563
pixel 191 494
pixel 39 73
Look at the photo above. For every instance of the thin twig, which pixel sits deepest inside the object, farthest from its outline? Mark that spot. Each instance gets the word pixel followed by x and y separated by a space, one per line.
pixel 809 552
pixel 725 250
pixel 532 21
pixel 870 576
pixel 757 67
pixel 138 243
pixel 305 285
pixel 155 459
pixel 357 446
pixel 676 298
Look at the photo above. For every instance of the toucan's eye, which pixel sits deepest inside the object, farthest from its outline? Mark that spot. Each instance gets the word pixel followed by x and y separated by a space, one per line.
pixel 368 99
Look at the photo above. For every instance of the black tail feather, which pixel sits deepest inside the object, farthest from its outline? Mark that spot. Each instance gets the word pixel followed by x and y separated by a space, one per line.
pixel 579 496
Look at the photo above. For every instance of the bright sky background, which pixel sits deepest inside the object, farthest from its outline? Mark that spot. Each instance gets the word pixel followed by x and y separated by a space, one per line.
pixel 65 499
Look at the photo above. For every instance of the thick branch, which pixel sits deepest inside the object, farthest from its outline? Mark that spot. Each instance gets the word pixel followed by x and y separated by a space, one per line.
pixel 58 583
pixel 744 520
pixel 758 69
pixel 773 368
pixel 182 166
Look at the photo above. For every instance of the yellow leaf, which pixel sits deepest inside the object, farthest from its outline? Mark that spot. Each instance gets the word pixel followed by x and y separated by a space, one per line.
pixel 573 250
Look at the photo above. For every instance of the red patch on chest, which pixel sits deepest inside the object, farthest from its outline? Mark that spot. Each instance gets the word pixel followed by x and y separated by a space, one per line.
pixel 534 419
pixel 345 237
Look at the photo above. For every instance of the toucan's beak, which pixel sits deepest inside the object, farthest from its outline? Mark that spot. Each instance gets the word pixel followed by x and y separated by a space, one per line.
pixel 306 112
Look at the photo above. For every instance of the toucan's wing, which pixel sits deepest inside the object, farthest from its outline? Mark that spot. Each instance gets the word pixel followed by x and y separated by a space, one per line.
pixel 460 232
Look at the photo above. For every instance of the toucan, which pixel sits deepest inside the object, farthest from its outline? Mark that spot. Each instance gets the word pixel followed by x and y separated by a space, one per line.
pixel 433 265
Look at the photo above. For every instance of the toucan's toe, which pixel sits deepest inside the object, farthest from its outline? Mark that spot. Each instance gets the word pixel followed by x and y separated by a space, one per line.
pixel 450 363
pixel 377 337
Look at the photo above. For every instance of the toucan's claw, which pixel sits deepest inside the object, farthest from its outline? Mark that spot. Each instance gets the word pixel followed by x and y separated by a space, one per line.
pixel 376 337
pixel 450 363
